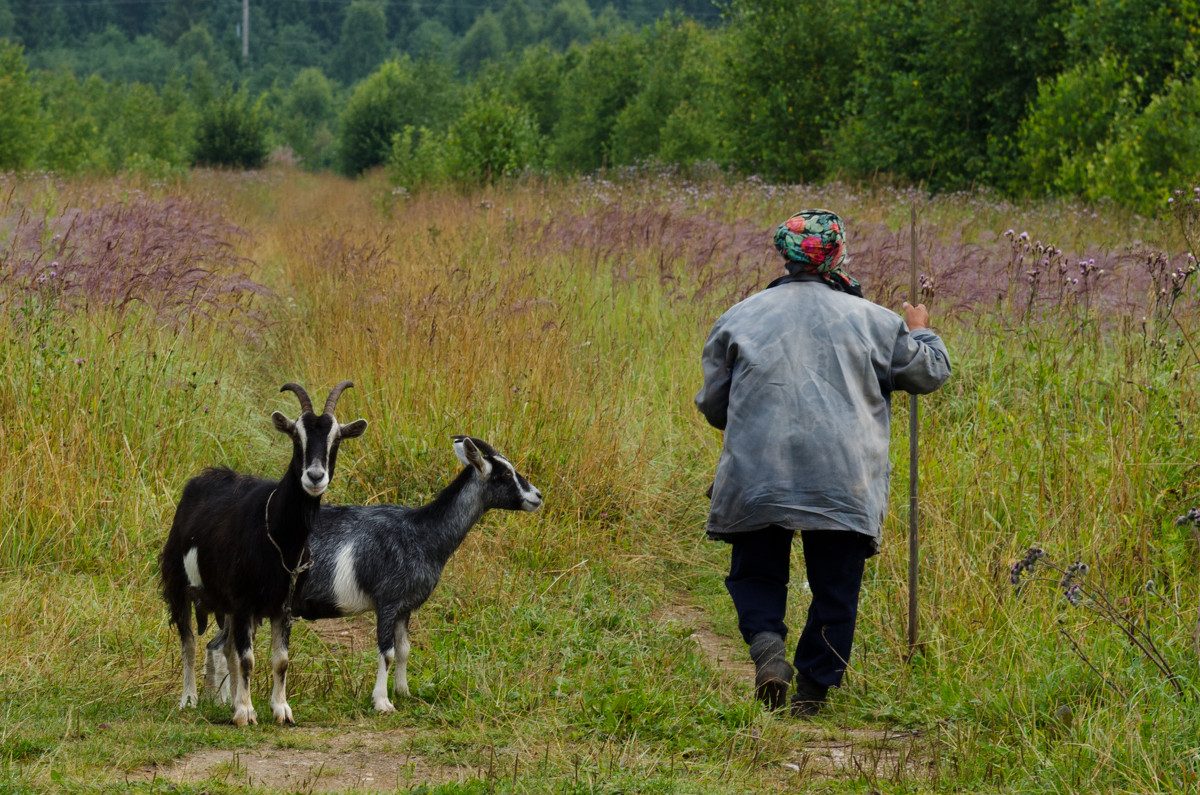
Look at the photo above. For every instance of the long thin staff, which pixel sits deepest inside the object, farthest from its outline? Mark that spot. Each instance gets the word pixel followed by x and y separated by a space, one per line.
pixel 914 538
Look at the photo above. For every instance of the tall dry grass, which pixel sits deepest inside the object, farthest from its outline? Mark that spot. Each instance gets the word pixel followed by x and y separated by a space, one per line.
pixel 562 322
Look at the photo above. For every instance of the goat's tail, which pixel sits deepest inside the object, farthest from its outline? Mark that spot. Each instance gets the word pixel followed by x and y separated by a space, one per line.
pixel 174 587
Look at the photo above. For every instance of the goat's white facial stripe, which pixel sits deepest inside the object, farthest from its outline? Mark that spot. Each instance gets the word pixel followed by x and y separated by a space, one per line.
pixel 303 434
pixel 529 495
pixel 192 568
pixel 512 471
pixel 347 595
pixel 333 437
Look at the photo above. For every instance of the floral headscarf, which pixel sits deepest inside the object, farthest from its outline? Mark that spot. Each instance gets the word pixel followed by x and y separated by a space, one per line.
pixel 813 241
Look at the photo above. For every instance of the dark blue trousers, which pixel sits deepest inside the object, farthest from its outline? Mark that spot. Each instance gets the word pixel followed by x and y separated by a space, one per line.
pixel 758 579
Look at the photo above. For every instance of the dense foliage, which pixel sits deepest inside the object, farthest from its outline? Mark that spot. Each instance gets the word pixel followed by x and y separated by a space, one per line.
pixel 1096 99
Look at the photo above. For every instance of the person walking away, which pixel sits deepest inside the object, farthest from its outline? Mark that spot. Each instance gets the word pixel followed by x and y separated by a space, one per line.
pixel 799 377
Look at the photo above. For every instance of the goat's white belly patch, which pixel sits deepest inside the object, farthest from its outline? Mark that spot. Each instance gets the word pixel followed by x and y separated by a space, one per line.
pixel 192 569
pixel 347 594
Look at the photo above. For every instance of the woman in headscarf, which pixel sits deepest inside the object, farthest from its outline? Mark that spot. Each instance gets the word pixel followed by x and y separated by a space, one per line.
pixel 800 377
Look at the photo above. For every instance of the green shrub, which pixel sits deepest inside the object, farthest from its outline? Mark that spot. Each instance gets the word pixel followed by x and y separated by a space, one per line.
pixel 598 84
pixel 73 143
pixel 418 158
pixel 933 93
pixel 1151 152
pixel 785 85
pixel 19 123
pixel 231 133
pixel 1087 136
pixel 1071 118
pixel 491 140
pixel 674 115
pixel 399 94
pixel 533 81
pixel 305 113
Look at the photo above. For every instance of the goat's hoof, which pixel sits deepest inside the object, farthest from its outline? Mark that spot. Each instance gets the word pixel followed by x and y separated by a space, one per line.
pixel 283 714
pixel 383 705
pixel 189 700
pixel 243 716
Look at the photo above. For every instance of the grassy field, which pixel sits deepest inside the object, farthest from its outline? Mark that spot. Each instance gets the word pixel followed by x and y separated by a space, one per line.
pixel 590 647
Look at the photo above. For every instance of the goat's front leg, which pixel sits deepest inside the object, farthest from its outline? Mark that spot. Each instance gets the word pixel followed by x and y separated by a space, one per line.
pixel 280 637
pixel 239 654
pixel 385 632
pixel 216 669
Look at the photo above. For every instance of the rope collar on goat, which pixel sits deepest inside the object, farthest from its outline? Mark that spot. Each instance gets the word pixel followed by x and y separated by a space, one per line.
pixel 301 566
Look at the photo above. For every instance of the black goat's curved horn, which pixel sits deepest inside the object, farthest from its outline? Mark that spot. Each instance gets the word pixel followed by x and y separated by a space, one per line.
pixel 305 402
pixel 336 393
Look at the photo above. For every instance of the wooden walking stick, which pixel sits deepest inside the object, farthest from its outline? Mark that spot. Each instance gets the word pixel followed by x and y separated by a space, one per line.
pixel 914 539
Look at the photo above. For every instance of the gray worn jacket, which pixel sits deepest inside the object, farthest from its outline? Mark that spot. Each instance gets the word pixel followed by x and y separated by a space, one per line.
pixel 800 376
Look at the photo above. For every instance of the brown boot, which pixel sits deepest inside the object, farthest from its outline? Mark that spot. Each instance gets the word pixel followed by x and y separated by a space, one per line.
pixel 772 672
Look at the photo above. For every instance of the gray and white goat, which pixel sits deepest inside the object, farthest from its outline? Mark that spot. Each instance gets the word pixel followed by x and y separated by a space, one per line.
pixel 389 558
pixel 236 545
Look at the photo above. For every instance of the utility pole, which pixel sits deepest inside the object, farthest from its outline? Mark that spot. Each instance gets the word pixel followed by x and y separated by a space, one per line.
pixel 245 31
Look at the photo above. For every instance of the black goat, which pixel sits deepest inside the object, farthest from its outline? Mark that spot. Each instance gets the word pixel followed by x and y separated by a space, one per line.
pixel 238 543
pixel 389 558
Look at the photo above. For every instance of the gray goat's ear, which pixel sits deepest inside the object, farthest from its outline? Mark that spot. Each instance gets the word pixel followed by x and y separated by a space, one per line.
pixel 469 454
pixel 282 423
pixel 352 430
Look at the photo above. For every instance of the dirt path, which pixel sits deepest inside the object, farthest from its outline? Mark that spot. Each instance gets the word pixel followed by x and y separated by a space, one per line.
pixel 306 759
pixel 369 759
pixel 824 749
pixel 316 760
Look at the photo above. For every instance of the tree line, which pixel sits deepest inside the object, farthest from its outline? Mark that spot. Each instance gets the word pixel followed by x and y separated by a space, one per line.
pixel 1097 99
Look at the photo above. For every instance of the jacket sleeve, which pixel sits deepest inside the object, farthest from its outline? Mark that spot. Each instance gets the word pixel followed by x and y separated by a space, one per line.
pixel 920 363
pixel 717 362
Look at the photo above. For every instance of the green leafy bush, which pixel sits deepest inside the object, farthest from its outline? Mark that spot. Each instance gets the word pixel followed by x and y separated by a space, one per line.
pixel 491 140
pixel 935 91
pixel 785 88
pixel 1087 135
pixel 399 94
pixel 19 124
pixel 304 117
pixel 597 85
pixel 1151 152
pixel 418 158
pixel 231 133
pixel 675 114
pixel 1072 116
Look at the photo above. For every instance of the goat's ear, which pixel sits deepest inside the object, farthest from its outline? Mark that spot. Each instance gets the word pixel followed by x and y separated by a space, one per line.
pixel 352 430
pixel 469 454
pixel 282 423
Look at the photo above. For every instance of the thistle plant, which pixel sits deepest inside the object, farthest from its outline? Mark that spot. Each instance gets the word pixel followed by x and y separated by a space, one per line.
pixel 1170 279
pixel 1076 589
pixel 1040 264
